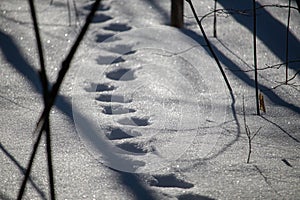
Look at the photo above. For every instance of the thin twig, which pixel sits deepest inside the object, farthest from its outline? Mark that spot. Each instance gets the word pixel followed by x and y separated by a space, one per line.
pixel 248 132
pixel 208 44
pixel 43 120
pixel 293 85
pixel 244 12
pixel 287 43
pixel 64 68
pixel 42 72
pixel 28 169
pixel 295 75
pixel 69 12
pixel 281 64
pixel 277 6
pixel 255 57
pixel 44 81
pixel 76 12
pixel 255 133
pixel 49 159
pixel 215 19
pixel 275 66
pixel 45 85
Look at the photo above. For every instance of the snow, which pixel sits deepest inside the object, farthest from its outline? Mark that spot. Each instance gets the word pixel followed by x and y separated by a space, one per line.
pixel 144 112
pixel 161 82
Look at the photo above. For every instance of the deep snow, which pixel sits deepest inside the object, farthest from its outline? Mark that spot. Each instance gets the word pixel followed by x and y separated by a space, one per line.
pixel 142 97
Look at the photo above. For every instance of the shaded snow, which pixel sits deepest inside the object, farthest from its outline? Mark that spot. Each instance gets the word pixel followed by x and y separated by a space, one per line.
pixel 149 99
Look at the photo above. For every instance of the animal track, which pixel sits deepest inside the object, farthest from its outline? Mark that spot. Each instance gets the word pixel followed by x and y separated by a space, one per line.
pixel 101 7
pixel 169 181
pixel 117 110
pixel 118 27
pixel 134 121
pixel 122 74
pixel 121 48
pixel 134 148
pixel 109 60
pixel 113 98
pixel 117 134
pixel 193 197
pixel 99 87
pixel 100 18
pixel 103 37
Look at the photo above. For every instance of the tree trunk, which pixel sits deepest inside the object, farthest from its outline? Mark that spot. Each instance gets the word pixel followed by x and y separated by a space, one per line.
pixel 177 13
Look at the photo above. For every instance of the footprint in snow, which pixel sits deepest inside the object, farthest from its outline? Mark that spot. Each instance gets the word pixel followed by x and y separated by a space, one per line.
pixel 116 110
pixel 122 74
pixel 122 49
pixel 100 18
pixel 104 60
pixel 169 180
pixel 134 121
pixel 118 134
pixel 94 87
pixel 118 27
pixel 140 148
pixel 100 8
pixel 113 98
pixel 132 148
pixel 103 37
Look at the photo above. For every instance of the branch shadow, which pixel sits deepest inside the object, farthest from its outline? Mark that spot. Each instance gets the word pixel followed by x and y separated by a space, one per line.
pixel 237 71
pixel 14 56
pixel 274 40
pixel 282 129
pixel 22 170
pixel 200 161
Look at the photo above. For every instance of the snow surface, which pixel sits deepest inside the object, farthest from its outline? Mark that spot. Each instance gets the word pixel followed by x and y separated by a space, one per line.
pixel 144 112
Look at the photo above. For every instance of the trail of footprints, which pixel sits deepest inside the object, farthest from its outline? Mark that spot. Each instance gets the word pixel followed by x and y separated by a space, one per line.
pixel 120 105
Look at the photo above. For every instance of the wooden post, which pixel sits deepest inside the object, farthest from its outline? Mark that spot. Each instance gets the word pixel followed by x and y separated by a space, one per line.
pixel 177 13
